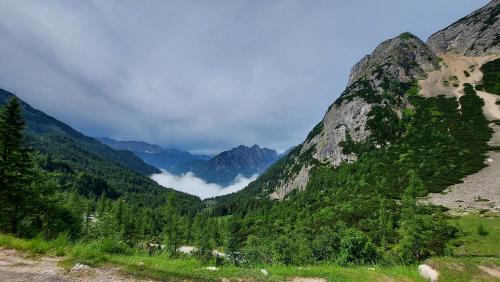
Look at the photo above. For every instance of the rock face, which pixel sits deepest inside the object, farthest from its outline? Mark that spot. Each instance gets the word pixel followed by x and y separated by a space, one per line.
pixel 401 59
pixel 375 98
pixel 474 35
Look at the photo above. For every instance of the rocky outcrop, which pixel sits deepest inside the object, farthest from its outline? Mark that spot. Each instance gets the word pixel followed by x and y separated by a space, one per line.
pixel 474 35
pixel 378 79
pixel 375 97
pixel 403 58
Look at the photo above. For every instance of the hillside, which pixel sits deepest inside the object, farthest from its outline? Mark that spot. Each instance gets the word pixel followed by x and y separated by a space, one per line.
pixel 413 121
pixel 382 93
pixel 82 158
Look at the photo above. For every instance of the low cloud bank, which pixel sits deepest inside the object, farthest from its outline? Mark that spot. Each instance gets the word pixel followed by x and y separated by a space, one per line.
pixel 191 184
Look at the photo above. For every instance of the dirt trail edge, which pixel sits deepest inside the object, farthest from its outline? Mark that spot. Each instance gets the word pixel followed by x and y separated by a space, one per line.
pixel 16 267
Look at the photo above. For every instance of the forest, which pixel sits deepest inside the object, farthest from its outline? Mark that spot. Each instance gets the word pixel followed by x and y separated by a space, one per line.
pixel 361 213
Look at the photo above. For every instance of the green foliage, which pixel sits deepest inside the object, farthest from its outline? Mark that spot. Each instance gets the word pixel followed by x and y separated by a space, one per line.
pixel 407 35
pixel 491 76
pixel 432 146
pixel 481 231
pixel 28 201
pixel 356 248
pixel 315 131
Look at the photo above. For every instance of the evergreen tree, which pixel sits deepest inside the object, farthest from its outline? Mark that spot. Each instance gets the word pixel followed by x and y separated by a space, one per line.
pixel 16 169
pixel 174 226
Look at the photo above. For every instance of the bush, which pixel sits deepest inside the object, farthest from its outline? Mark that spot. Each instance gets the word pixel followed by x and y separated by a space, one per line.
pixel 356 248
pixel 481 231
pixel 113 246
pixel 292 249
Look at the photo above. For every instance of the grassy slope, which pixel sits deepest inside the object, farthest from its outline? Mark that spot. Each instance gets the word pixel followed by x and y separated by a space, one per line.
pixel 163 268
pixel 485 251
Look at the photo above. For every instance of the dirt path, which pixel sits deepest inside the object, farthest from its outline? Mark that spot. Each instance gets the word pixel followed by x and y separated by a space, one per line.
pixel 16 267
pixel 480 190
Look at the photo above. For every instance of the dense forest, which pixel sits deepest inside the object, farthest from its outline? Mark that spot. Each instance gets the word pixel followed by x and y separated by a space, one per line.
pixel 359 213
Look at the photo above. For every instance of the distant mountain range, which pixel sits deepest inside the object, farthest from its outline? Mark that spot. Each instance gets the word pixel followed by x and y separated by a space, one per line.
pixel 221 169
pixel 155 155
pixel 226 166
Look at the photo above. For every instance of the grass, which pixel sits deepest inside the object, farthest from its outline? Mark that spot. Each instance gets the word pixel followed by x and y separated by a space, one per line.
pixel 139 264
pixel 471 251
pixel 458 269
pixel 471 243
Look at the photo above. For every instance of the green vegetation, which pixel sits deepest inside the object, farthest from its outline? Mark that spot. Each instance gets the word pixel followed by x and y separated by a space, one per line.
pixel 452 80
pixel 315 131
pixel 491 76
pixel 358 215
pixel 365 211
pixel 479 235
pixel 163 267
pixel 407 35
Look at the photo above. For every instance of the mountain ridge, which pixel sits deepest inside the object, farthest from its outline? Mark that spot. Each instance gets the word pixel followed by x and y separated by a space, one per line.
pixel 82 158
pixel 378 91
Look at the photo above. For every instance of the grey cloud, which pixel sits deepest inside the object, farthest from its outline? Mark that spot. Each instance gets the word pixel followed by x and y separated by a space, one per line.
pixel 198 75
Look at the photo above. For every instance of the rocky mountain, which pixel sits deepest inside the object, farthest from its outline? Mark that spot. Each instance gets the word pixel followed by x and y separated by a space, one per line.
pixel 90 166
pixel 474 35
pixel 221 169
pixel 155 155
pixel 226 166
pixel 383 96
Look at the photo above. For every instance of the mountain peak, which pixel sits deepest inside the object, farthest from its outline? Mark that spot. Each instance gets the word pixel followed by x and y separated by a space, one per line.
pixel 473 35
pixel 403 57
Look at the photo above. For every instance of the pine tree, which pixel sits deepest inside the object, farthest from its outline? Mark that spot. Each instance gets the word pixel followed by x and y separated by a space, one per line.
pixel 16 169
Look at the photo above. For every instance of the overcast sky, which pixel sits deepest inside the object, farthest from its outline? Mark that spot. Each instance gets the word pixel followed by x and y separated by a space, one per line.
pixel 199 75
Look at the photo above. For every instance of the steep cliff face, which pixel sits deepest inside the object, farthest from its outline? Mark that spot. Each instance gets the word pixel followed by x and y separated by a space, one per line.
pixel 368 112
pixel 474 35
pixel 377 83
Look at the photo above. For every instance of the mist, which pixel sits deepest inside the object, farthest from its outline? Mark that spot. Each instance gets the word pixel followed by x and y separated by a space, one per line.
pixel 191 184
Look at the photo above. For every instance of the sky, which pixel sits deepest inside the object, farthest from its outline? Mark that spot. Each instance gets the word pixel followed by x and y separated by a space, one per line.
pixel 202 76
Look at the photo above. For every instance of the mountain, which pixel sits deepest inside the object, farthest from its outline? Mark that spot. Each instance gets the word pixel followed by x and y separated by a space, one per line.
pixel 410 109
pixel 226 166
pixel 221 169
pixel 83 160
pixel 154 155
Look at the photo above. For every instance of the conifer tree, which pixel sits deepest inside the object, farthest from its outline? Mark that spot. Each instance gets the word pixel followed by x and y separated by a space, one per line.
pixel 16 169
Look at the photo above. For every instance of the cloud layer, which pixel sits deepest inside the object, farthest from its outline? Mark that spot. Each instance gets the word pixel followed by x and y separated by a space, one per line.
pixel 193 185
pixel 198 75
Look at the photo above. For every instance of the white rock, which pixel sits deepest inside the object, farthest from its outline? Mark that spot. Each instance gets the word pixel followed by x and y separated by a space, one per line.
pixel 490 160
pixel 217 253
pixel 264 272
pixel 212 268
pixel 186 249
pixel 79 267
pixel 428 272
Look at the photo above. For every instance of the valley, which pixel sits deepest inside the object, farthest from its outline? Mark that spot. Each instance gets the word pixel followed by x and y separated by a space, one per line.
pixel 398 181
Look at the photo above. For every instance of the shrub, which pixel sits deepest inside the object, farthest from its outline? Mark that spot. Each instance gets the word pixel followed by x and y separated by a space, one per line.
pixel 113 246
pixel 356 248
pixel 481 231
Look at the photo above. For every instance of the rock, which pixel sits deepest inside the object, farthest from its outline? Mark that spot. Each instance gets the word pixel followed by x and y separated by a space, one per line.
pixel 211 268
pixel 403 59
pixel 473 35
pixel 264 272
pixel 79 267
pixel 186 250
pixel 428 272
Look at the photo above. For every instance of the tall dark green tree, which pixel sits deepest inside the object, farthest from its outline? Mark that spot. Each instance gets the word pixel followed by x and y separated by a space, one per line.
pixel 16 169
